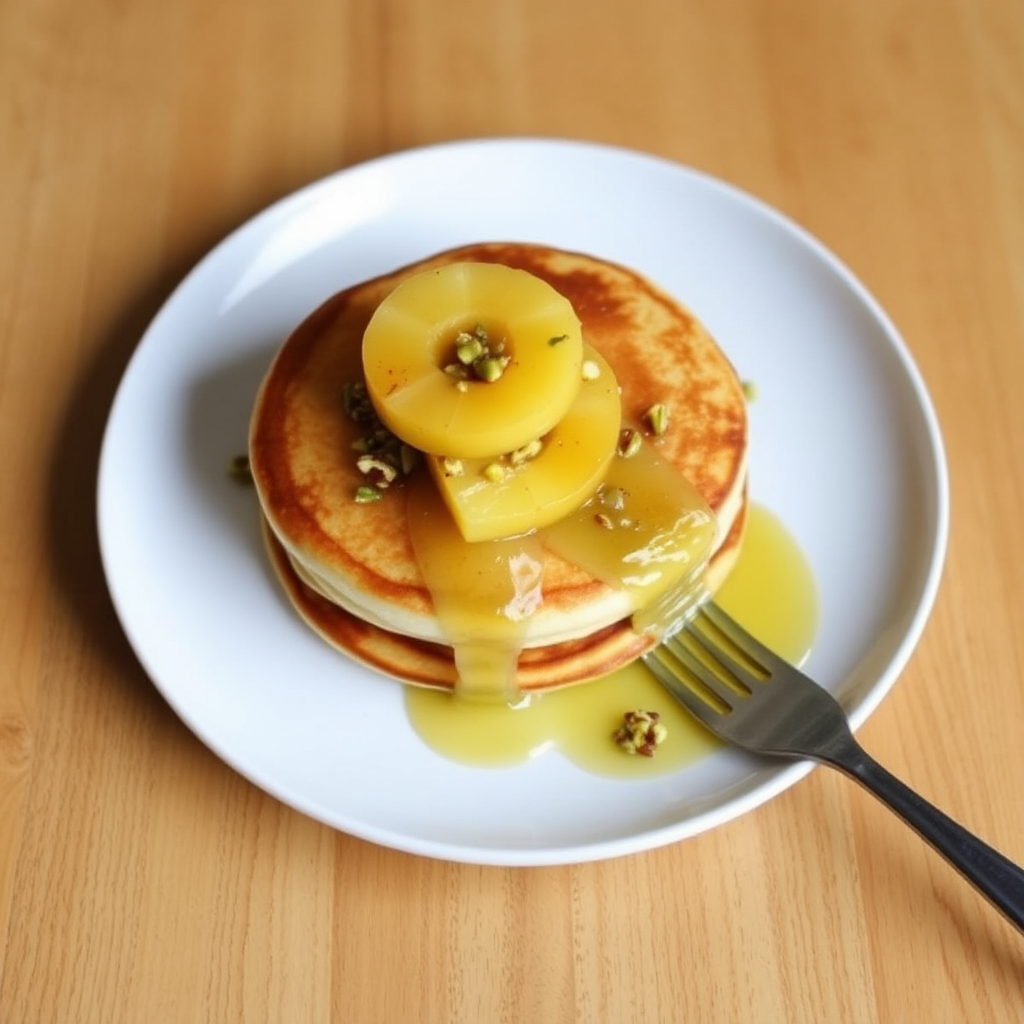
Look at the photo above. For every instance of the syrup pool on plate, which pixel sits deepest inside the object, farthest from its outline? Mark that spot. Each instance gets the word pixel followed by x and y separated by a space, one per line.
pixel 771 591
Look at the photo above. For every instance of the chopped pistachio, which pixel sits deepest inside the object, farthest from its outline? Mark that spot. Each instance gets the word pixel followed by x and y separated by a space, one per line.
pixel 613 498
pixel 408 457
pixel 629 442
pixel 530 450
pixel 382 473
pixel 476 358
pixel 490 368
pixel 749 390
pixel 351 396
pixel 657 418
pixel 641 733
pixel 468 349
pixel 494 472
pixel 365 494
pixel 590 370
pixel 239 469
pixel 357 403
pixel 381 457
pixel 558 338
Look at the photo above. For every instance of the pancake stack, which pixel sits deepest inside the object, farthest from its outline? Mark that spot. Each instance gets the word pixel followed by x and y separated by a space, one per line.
pixel 378 579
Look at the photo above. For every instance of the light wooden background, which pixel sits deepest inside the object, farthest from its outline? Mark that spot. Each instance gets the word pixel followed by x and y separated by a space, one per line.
pixel 141 880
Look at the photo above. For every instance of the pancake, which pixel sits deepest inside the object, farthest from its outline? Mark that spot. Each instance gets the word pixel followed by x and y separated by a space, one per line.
pixel 351 569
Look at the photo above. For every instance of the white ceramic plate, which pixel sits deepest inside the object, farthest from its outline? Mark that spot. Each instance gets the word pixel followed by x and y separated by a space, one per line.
pixel 846 450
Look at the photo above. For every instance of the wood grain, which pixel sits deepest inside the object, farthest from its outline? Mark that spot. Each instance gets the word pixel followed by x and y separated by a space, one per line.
pixel 140 878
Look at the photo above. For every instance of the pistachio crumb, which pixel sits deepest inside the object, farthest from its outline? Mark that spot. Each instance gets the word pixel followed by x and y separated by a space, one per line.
pixel 629 442
pixel 365 494
pixel 476 358
pixel 490 368
pixel 468 349
pixel 749 390
pixel 380 456
pixel 657 418
pixel 240 470
pixel 381 473
pixel 357 404
pixel 590 370
pixel 558 339
pixel 530 450
pixel 494 472
pixel 641 733
pixel 408 457
pixel 613 498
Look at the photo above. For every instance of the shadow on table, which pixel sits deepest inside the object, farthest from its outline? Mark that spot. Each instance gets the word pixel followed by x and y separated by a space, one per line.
pixel 71 521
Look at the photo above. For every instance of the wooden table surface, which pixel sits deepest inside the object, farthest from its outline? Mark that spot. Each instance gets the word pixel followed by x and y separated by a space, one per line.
pixel 143 880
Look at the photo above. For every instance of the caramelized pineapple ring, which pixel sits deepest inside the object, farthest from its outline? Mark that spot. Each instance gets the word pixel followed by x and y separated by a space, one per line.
pixel 532 332
pixel 537 485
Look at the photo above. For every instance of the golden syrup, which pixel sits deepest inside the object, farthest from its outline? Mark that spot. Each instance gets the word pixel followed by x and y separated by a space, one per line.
pixel 484 595
pixel 771 590
pixel 645 531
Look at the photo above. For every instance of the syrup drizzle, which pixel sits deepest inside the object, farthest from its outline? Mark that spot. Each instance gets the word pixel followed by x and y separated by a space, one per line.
pixel 771 590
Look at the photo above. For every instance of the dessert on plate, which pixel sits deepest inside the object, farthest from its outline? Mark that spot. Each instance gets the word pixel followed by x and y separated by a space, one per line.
pixel 501 469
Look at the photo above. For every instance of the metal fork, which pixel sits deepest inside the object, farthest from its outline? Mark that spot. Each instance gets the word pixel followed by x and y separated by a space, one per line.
pixel 749 696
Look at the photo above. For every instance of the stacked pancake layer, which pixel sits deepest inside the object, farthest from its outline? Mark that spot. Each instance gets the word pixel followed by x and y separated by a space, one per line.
pixel 352 569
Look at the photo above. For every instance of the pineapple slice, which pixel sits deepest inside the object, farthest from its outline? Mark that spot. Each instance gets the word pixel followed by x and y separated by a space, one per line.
pixel 472 359
pixel 536 485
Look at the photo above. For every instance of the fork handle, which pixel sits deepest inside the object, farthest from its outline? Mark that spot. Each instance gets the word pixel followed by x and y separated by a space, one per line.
pixel 995 876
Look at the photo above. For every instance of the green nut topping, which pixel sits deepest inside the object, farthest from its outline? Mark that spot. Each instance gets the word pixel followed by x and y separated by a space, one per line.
pixel 381 458
pixel 365 494
pixel 530 450
pixel 239 469
pixel 629 443
pixel 476 357
pixel 468 349
pixel 657 418
pixel 613 498
pixel 489 368
pixel 641 733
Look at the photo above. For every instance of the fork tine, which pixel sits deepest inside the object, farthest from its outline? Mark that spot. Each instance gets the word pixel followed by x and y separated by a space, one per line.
pixel 703 706
pixel 717 648
pixel 712 691
pixel 750 646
